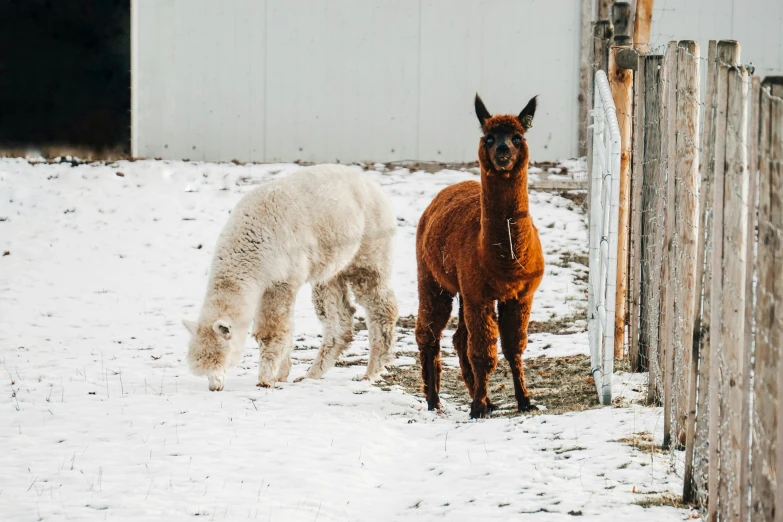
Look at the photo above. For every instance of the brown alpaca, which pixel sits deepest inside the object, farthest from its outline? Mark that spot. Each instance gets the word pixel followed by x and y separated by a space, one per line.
pixel 479 241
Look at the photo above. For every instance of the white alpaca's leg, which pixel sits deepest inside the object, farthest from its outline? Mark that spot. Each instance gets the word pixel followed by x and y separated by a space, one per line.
pixel 333 306
pixel 217 380
pixel 274 332
pixel 373 292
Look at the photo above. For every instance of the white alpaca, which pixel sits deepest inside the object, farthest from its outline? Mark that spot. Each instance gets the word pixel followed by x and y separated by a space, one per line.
pixel 328 225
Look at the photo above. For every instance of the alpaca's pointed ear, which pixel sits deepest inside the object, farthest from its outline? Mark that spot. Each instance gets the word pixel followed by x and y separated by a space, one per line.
pixel 526 116
pixel 190 326
pixel 222 328
pixel 481 111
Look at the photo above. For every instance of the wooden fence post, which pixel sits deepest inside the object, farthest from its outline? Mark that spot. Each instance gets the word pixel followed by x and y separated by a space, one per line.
pixel 769 291
pixel 641 25
pixel 696 447
pixel 775 85
pixel 653 189
pixel 732 317
pixel 665 327
pixel 777 155
pixel 602 9
pixel 750 247
pixel 603 32
pixel 697 454
pixel 621 83
pixel 686 222
pixel 635 251
pixel 585 75
pixel 728 52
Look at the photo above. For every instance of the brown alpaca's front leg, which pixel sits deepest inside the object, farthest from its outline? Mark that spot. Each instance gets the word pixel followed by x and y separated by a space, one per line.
pixel 482 352
pixel 513 318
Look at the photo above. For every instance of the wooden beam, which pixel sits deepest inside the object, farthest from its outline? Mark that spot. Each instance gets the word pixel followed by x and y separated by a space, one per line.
pixel 652 212
pixel 769 359
pixel 666 326
pixel 602 8
pixel 735 208
pixel 635 250
pixel 585 75
pixel 698 454
pixel 750 247
pixel 728 52
pixel 642 24
pixel 686 221
pixel 621 83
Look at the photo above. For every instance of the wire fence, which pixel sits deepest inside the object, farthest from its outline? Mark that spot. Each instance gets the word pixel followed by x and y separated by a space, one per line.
pixel 705 272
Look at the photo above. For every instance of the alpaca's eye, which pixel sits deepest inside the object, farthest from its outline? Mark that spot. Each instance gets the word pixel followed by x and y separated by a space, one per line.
pixel 489 140
pixel 517 140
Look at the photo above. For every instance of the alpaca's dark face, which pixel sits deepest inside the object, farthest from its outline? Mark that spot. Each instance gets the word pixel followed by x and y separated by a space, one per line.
pixel 503 144
pixel 505 147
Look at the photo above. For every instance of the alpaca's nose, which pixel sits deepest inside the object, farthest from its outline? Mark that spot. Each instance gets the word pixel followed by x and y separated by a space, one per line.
pixel 502 149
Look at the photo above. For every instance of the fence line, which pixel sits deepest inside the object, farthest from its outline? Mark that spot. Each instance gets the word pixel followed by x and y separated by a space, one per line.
pixel 705 303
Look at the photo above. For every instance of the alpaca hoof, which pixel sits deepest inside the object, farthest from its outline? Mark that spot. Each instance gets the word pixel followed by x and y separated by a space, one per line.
pixel 433 405
pixel 478 412
pixel 371 377
pixel 491 406
pixel 216 383
pixel 524 405
pixel 264 385
pixel 300 379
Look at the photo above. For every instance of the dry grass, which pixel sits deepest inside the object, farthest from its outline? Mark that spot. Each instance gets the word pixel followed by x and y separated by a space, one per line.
pixel 663 500
pixel 560 384
pixel 643 441
pixel 574 322
pixel 577 196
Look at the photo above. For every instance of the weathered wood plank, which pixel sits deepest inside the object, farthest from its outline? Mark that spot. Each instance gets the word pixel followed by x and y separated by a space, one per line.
pixel 766 368
pixel 585 74
pixel 635 250
pixel 732 317
pixel 642 23
pixel 727 52
pixel 777 328
pixel 621 83
pixel 686 222
pixel 697 446
pixel 665 331
pixel 750 244
pixel 654 189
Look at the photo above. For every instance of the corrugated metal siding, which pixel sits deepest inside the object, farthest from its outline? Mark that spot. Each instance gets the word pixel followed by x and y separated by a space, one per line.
pixel 322 80
pixel 382 80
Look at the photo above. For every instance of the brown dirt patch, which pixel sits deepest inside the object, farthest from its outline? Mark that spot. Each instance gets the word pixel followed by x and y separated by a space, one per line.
pixel 561 384
pixel 555 325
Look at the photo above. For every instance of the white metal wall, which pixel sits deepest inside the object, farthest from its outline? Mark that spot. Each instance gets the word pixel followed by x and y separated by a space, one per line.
pixel 756 24
pixel 349 80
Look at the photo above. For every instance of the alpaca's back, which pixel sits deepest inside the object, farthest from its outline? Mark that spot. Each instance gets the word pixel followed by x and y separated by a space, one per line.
pixel 311 223
pixel 448 232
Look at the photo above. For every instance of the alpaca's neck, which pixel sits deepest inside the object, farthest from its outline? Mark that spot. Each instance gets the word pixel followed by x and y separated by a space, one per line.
pixel 506 225
pixel 230 299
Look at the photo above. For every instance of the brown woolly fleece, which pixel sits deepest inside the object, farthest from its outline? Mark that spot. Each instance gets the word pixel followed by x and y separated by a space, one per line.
pixel 479 241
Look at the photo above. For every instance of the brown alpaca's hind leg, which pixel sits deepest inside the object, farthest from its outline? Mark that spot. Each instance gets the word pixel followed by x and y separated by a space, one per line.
pixel 434 312
pixel 482 352
pixel 513 318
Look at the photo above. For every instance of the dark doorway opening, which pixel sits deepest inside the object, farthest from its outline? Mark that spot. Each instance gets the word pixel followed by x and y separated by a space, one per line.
pixel 65 74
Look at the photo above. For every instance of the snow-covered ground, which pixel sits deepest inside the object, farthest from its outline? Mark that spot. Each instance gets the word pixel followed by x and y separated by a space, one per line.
pixel 100 419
